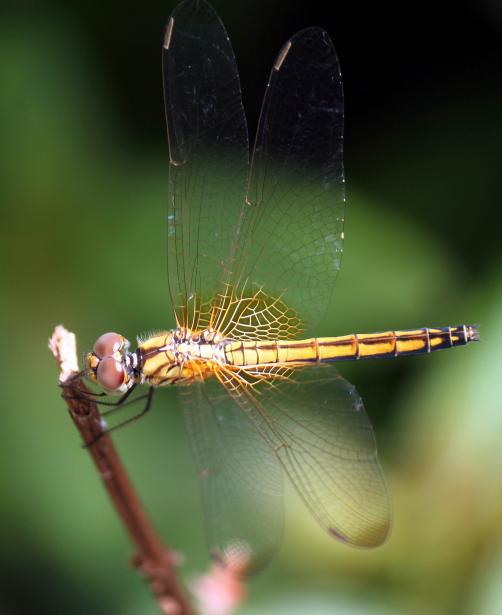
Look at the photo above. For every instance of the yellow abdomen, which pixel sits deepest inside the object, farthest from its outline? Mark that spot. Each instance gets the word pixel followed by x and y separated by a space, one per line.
pixel 348 347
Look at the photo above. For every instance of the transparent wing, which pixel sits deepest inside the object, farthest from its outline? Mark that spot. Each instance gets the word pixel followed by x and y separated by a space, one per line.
pixel 318 429
pixel 240 479
pixel 208 144
pixel 290 235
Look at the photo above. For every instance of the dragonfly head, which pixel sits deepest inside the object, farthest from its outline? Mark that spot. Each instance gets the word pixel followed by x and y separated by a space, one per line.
pixel 110 364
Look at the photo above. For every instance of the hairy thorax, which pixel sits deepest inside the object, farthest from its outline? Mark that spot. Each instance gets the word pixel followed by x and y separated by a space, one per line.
pixel 183 355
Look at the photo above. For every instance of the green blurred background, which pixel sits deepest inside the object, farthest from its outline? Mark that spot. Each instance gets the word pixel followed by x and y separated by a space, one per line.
pixel 83 179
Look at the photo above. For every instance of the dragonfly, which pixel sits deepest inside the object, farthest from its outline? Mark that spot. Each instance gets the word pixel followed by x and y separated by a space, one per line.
pixel 254 245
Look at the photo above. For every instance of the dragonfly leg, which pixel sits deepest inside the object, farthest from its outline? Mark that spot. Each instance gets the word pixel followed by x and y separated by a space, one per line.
pixel 81 394
pixel 121 401
pixel 120 404
pixel 142 412
pixel 74 377
pixel 89 394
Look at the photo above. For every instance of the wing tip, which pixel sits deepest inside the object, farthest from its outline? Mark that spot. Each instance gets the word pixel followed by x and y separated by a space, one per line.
pixel 338 535
pixel 168 34
pixel 371 537
pixel 282 55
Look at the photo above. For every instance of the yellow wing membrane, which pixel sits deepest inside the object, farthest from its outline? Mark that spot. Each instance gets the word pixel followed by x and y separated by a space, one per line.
pixel 290 235
pixel 240 479
pixel 314 425
pixel 319 431
pixel 208 145
pixel 274 227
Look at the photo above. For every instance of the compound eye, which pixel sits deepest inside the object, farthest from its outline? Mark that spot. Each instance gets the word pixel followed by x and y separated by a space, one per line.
pixel 110 374
pixel 107 344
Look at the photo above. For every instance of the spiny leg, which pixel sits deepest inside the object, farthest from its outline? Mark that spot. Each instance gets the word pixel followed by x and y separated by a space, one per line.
pixel 143 411
pixel 90 395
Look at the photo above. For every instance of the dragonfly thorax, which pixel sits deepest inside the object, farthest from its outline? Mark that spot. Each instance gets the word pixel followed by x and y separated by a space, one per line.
pixel 179 356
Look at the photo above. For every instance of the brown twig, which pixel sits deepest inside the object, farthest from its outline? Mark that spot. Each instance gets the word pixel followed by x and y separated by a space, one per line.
pixel 153 559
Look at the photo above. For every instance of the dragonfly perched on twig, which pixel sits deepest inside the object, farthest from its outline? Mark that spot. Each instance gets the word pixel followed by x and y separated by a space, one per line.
pixel 254 247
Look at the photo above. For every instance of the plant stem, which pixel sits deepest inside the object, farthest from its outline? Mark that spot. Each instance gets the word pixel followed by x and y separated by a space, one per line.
pixel 152 559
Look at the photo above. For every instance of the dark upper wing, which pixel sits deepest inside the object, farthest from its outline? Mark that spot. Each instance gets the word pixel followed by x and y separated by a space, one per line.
pixel 208 144
pixel 240 479
pixel 290 236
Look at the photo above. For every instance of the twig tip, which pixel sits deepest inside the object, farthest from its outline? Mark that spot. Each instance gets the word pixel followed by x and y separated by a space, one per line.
pixel 63 345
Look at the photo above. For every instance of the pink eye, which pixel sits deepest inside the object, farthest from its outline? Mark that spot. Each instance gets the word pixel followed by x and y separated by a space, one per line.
pixel 110 374
pixel 107 344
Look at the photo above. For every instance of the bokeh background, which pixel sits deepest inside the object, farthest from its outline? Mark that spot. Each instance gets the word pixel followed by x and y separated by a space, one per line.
pixel 83 183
